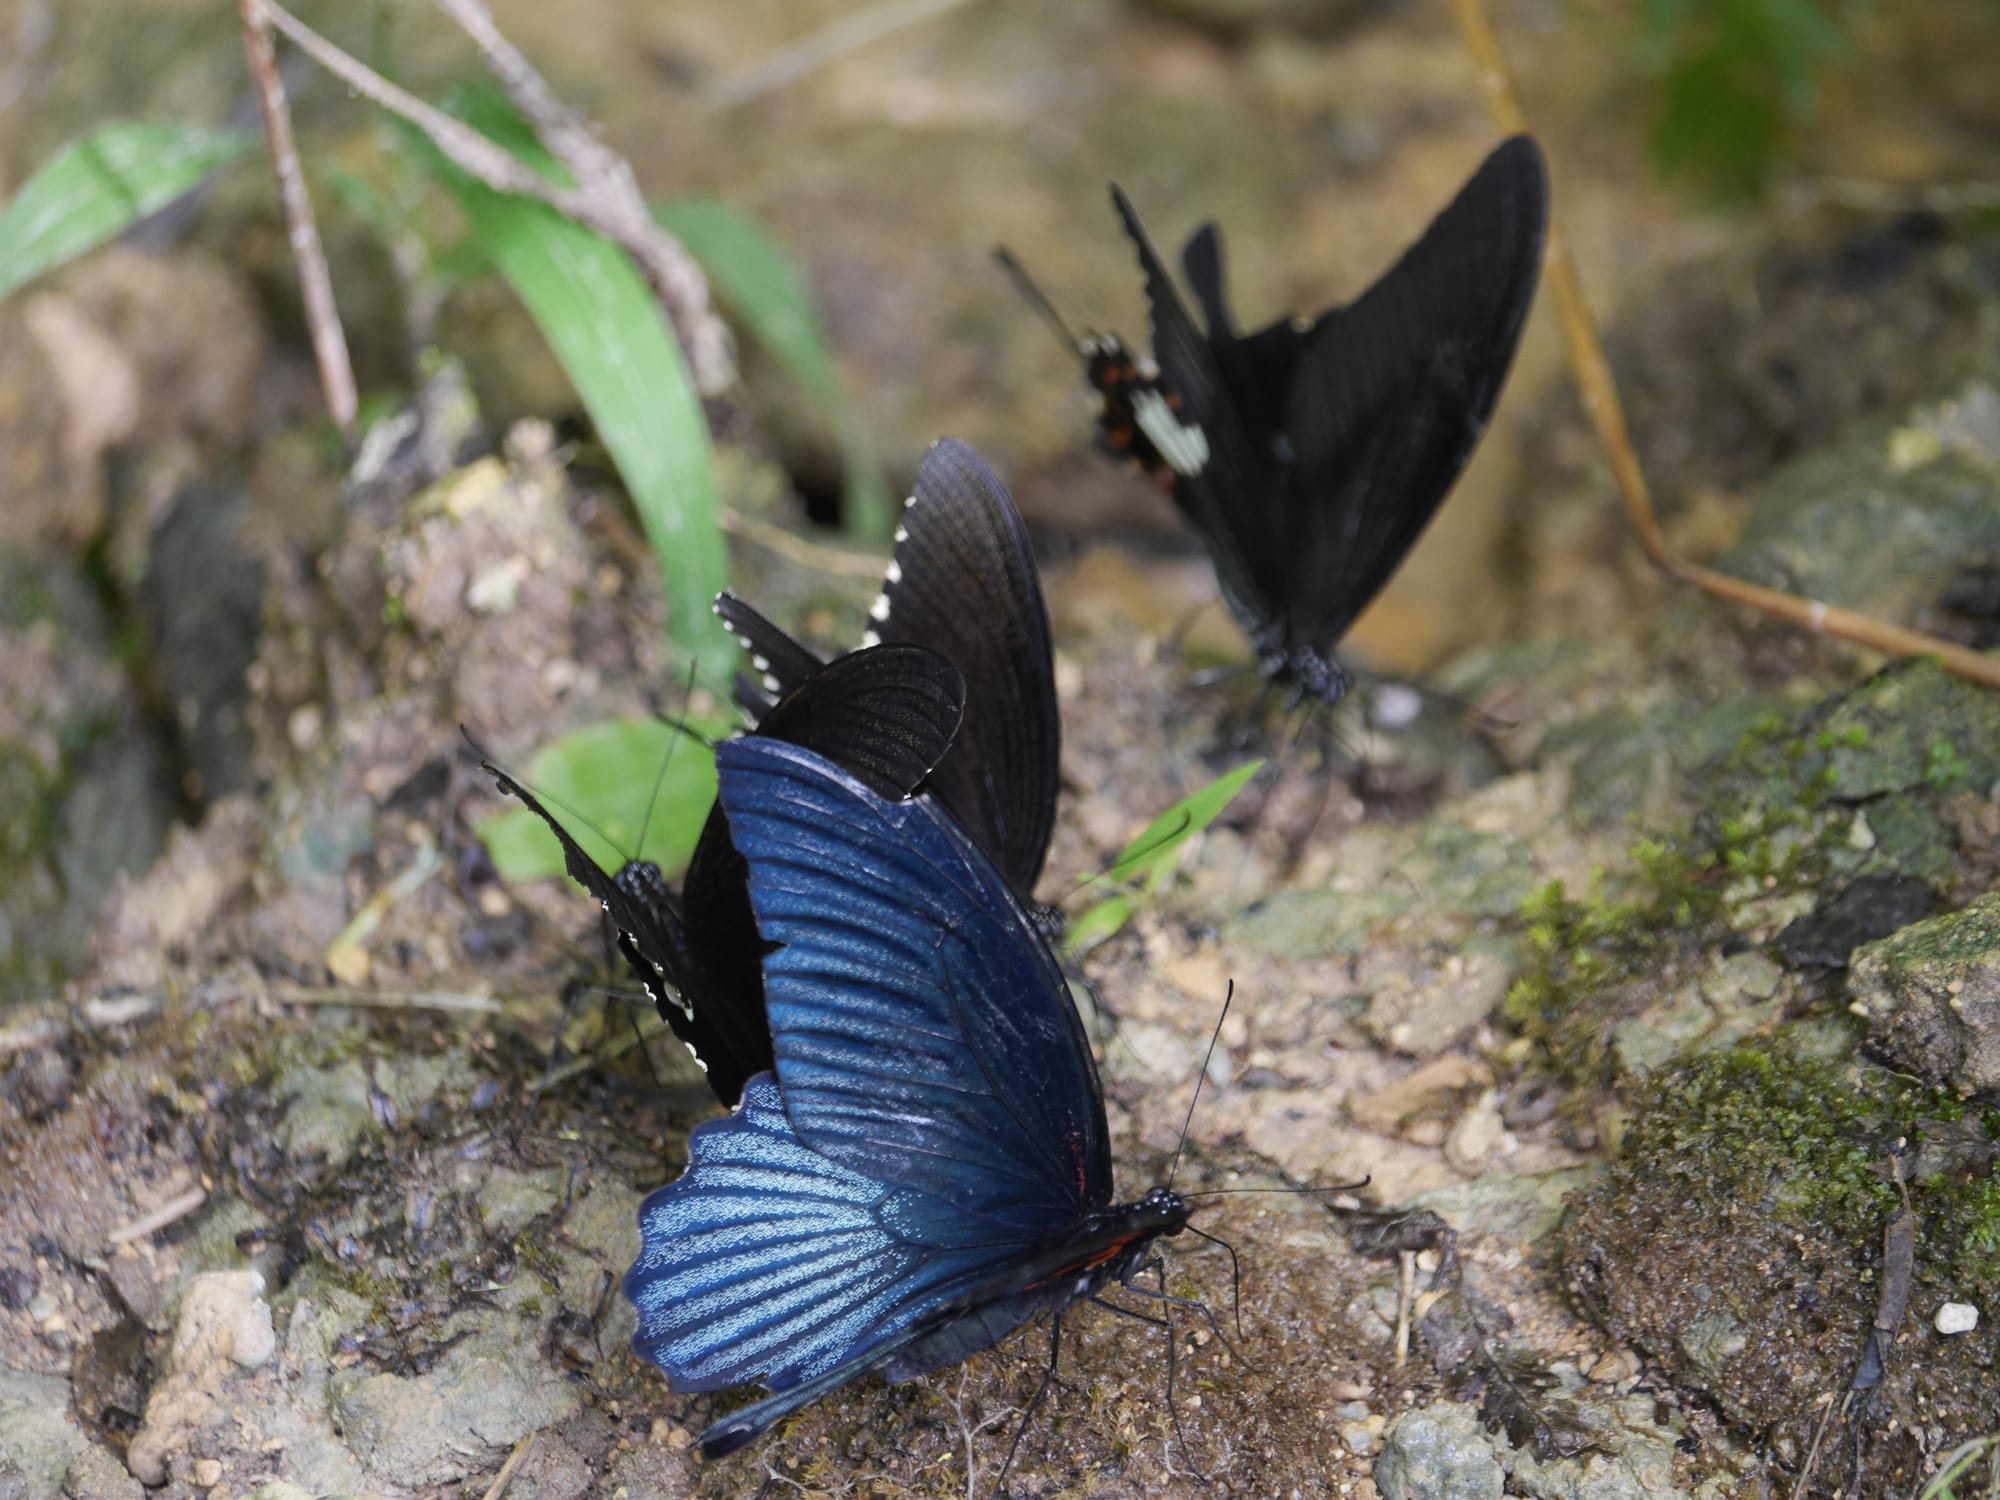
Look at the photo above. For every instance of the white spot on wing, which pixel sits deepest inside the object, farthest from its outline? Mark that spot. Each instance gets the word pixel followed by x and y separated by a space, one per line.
pixel 869 638
pixel 894 575
pixel 879 610
pixel 1184 447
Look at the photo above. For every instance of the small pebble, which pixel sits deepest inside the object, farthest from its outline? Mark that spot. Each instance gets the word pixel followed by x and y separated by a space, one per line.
pixel 17 1287
pixel 1362 1439
pixel 1957 1317
pixel 207 1473
pixel 41 1307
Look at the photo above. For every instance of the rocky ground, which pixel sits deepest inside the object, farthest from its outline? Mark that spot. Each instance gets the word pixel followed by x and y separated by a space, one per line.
pixel 1654 983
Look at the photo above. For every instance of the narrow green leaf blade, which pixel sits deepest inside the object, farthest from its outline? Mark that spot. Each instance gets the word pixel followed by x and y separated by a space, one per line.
pixel 613 341
pixel 603 774
pixel 757 278
pixel 100 185
pixel 1152 852
pixel 1098 923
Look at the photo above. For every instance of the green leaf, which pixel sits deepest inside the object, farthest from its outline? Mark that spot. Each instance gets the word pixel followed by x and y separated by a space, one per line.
pixel 1151 854
pixel 757 279
pixel 1098 923
pixel 603 775
pixel 613 341
pixel 100 185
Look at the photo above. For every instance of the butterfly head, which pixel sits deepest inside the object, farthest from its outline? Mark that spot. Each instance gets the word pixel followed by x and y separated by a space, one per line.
pixel 1162 1211
pixel 1306 673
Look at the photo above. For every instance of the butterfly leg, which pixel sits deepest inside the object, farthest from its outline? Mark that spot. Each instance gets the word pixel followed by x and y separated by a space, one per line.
pixel 1165 1323
pixel 1207 1313
pixel 1034 1404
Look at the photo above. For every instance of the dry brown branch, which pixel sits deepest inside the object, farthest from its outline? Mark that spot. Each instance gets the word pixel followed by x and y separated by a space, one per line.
pixel 1890 197
pixel 460 1000
pixel 336 372
pixel 604 199
pixel 1607 415
pixel 172 1211
pixel 849 33
pixel 796 549
pixel 507 1470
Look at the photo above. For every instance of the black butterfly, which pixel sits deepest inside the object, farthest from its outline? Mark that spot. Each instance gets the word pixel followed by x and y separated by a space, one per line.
pixel 887 715
pixel 1310 456
pixel 963 582
pixel 928 1166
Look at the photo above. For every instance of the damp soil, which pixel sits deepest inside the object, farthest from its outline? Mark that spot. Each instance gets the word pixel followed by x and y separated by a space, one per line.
pixel 1574 990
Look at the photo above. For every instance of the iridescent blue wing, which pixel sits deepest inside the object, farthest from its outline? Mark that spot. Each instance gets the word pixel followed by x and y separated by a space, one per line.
pixel 888 715
pixel 923 1031
pixel 767 1262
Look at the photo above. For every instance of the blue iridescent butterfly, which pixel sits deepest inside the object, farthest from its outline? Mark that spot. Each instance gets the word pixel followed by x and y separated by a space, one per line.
pixel 928 1167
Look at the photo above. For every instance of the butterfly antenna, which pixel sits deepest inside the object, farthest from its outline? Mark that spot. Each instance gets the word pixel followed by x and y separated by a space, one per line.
pixel 1038 299
pixel 514 786
pixel 660 777
pixel 1214 1037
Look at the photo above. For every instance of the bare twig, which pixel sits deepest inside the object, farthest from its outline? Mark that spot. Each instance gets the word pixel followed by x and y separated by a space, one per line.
pixel 796 549
pixel 336 372
pixel 507 1470
pixel 1406 1289
pixel 172 1211
pixel 1890 197
pixel 850 33
pixel 469 1001
pixel 608 179
pixel 347 955
pixel 607 202
pixel 1600 401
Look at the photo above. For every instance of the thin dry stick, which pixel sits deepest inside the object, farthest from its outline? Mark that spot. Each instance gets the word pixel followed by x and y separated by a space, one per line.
pixel 458 1000
pixel 1891 197
pixel 336 372
pixel 593 202
pixel 1600 400
pixel 507 1470
pixel 796 549
pixel 601 172
pixel 831 42
pixel 172 1211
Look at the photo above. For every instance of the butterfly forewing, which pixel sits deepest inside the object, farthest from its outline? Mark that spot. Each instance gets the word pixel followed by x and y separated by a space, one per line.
pixel 1392 392
pixel 963 582
pixel 1192 414
pixel 923 1031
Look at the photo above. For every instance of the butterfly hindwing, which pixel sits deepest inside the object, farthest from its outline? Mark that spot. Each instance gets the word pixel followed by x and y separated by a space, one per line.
pixel 781 662
pixel 923 1031
pixel 769 1262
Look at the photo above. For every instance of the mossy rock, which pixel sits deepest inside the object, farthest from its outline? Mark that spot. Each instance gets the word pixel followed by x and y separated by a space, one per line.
pixel 1931 996
pixel 1738 1240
